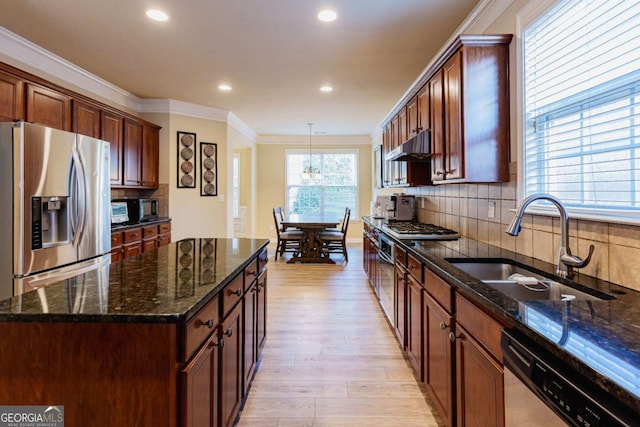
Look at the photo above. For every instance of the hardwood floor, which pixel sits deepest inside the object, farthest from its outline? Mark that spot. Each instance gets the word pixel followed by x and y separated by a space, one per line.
pixel 331 358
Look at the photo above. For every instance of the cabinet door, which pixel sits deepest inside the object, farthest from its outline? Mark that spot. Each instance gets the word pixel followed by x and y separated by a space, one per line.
pixel 412 117
pixel 261 312
pixel 436 106
pixel 86 119
pixel 454 160
pixel 399 305
pixel 111 131
pixel 423 109
pixel 402 126
pixel 200 386
pixel 11 98
pixel 149 245
pixel 48 107
pixel 480 384
pixel 414 325
pixel 438 369
pixel 149 161
pixel 250 302
pixel 395 134
pixel 132 151
pixel 231 366
pixel 132 249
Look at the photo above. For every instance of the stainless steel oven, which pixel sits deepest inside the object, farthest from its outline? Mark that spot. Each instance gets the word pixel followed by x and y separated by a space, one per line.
pixel 386 257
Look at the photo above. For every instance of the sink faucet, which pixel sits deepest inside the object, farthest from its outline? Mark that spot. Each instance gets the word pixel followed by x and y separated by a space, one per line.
pixel 566 261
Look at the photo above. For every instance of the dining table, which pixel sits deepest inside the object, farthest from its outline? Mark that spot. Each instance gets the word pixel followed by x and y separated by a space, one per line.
pixel 311 246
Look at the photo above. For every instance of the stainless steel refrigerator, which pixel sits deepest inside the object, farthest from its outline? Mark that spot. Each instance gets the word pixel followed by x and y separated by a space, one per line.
pixel 54 206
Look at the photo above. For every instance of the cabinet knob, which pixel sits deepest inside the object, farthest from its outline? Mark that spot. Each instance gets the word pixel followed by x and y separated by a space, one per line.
pixel 440 172
pixel 208 323
pixel 237 292
pixel 452 336
pixel 443 325
pixel 229 332
pixel 211 344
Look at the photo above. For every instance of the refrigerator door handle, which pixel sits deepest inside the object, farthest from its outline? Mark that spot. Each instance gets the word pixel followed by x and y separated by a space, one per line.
pixel 80 196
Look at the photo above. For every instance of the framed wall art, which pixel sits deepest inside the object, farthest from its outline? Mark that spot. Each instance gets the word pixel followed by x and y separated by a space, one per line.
pixel 208 169
pixel 186 160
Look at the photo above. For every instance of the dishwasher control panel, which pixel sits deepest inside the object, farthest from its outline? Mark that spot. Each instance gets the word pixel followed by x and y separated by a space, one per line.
pixel 570 395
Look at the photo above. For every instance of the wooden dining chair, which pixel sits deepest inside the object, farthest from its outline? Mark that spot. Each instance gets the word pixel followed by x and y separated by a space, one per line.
pixel 335 241
pixel 287 240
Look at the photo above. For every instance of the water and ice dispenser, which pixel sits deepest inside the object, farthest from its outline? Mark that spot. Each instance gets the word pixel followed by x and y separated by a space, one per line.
pixel 50 221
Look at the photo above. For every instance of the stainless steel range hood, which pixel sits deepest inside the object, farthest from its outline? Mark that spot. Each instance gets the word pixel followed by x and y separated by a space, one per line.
pixel 417 149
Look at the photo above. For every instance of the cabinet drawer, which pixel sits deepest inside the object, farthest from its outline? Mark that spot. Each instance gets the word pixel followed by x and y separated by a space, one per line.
pixel 150 231
pixel 250 273
pixel 263 258
pixel 414 267
pixel 401 256
pixel 484 328
pixel 132 249
pixel 165 227
pixel 200 326
pixel 440 290
pixel 116 239
pixel 232 293
pixel 133 235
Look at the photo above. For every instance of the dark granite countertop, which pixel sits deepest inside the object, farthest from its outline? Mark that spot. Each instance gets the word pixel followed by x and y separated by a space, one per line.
pixel 127 226
pixel 600 339
pixel 168 285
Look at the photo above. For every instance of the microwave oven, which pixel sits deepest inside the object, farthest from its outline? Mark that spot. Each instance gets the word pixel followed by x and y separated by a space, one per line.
pixel 140 210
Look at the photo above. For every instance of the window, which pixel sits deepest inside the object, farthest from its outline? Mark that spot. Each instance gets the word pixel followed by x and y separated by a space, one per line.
pixel 582 106
pixel 329 191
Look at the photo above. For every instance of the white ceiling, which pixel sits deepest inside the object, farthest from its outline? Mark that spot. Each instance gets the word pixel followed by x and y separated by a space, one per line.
pixel 274 53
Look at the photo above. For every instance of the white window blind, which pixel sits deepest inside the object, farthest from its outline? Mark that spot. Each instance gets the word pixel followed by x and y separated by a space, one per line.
pixel 328 192
pixel 582 105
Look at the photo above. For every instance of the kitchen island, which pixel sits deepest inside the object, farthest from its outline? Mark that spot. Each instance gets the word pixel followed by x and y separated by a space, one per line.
pixel 146 341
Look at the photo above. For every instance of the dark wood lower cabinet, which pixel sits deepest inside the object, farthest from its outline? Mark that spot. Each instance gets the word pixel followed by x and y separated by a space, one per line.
pixel 261 312
pixel 200 386
pixel 415 342
pixel 480 384
pixel 400 304
pixel 439 363
pixel 250 335
pixel 231 366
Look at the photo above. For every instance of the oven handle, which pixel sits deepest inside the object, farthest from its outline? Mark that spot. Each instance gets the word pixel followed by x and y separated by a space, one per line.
pixel 385 257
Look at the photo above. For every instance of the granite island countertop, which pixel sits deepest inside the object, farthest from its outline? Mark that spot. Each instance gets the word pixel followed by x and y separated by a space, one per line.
pixel 600 339
pixel 168 285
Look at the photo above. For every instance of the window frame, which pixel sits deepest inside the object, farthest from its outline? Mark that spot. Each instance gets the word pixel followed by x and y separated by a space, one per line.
pixel 524 19
pixel 323 151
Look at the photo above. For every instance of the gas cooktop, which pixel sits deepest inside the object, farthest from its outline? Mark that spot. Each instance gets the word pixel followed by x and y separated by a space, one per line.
pixel 418 231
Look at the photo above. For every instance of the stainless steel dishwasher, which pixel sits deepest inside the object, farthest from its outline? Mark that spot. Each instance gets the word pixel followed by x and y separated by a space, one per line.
pixel 542 390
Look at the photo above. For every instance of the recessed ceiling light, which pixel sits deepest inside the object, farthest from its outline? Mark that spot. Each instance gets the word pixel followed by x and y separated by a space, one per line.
pixel 327 15
pixel 224 87
pixel 326 88
pixel 157 15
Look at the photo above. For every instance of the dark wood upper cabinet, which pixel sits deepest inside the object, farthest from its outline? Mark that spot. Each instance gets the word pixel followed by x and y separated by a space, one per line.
pixel 11 98
pixel 464 100
pixel 150 156
pixel 48 107
pixel 132 149
pixel 86 119
pixel 111 130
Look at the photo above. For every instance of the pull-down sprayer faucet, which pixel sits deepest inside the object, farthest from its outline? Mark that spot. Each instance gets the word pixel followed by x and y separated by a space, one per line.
pixel 566 261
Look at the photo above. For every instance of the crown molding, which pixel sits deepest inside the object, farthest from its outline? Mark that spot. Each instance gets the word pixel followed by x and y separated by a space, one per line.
pixel 235 122
pixel 172 106
pixel 20 52
pixel 317 139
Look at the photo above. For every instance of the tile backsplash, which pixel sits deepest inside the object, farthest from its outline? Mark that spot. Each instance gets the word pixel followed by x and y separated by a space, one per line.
pixel 483 211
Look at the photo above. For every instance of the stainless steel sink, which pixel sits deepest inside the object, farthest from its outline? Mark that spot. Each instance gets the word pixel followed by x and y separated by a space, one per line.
pixel 502 275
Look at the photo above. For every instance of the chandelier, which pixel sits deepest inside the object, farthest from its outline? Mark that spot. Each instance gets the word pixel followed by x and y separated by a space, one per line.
pixel 310 172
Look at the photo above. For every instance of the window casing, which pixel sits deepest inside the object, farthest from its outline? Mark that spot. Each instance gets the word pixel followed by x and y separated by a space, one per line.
pixel 329 192
pixel 581 106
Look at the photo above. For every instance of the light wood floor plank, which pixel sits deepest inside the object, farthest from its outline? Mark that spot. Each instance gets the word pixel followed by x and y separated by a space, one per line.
pixel 331 358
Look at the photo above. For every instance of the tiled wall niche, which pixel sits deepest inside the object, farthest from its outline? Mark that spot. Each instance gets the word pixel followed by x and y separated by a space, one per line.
pixel 162 194
pixel 466 208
